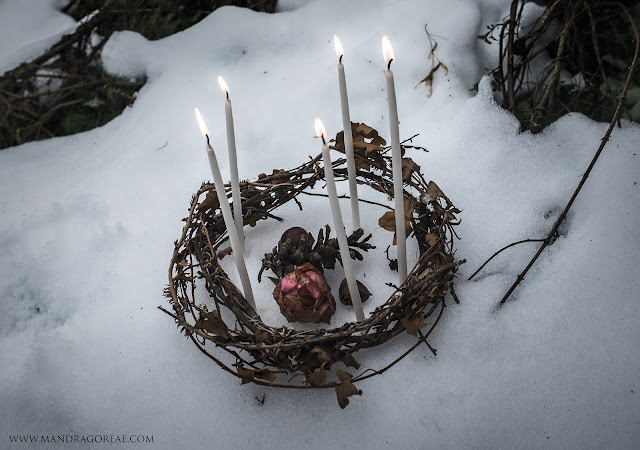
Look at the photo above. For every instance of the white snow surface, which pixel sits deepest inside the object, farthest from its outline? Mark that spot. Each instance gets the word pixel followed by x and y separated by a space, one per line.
pixel 88 225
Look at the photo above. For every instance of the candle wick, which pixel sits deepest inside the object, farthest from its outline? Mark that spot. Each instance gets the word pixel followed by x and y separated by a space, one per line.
pixel 207 136
pixel 340 60
pixel 389 65
pixel 324 142
pixel 227 94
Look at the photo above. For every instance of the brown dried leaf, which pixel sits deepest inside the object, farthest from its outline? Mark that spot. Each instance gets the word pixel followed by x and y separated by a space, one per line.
pixel 209 202
pixel 414 324
pixel 323 355
pixel 350 361
pixel 224 252
pixel 211 322
pixel 346 388
pixel 265 374
pixel 247 375
pixel 366 131
pixel 388 220
pixel 434 191
pixel 408 167
pixel 318 378
pixel 379 141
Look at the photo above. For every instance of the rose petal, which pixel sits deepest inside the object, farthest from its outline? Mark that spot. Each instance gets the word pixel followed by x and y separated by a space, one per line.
pixel 288 284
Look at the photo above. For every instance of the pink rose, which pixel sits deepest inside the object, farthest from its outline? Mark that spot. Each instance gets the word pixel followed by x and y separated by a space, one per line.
pixel 305 296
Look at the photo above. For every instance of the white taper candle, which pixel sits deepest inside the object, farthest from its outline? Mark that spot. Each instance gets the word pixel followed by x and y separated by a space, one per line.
pixel 396 162
pixel 233 163
pixel 348 138
pixel 338 224
pixel 226 215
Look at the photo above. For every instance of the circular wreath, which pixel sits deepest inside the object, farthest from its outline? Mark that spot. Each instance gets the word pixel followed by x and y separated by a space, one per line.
pixel 262 352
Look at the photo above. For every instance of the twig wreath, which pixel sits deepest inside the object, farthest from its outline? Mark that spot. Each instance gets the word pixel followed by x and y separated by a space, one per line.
pixel 267 355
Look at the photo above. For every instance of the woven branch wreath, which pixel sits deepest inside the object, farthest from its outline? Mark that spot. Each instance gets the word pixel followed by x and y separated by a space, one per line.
pixel 266 355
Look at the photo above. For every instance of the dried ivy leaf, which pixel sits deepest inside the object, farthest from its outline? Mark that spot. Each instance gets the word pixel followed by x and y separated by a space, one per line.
pixel 434 191
pixel 210 201
pixel 366 130
pixel 350 361
pixel 247 375
pixel 428 80
pixel 408 167
pixel 388 220
pixel 211 322
pixel 323 355
pixel 318 378
pixel 265 374
pixel 345 389
pixel 224 252
pixel 414 324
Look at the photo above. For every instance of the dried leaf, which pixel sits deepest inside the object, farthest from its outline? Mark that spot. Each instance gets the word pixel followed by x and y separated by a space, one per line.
pixel 346 388
pixel 247 375
pixel 210 201
pixel 211 322
pixel 224 252
pixel 388 220
pixel 265 374
pixel 414 324
pixel 350 361
pixel 318 378
pixel 323 356
pixel 434 191
pixel 408 167
pixel 366 131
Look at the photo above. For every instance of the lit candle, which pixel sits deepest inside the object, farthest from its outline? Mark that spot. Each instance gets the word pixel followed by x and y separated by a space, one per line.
pixel 226 214
pixel 396 161
pixel 233 164
pixel 348 138
pixel 337 223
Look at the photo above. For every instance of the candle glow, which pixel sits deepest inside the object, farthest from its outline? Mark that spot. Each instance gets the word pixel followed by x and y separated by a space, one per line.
pixel 223 85
pixel 338 45
pixel 387 50
pixel 320 130
pixel 203 126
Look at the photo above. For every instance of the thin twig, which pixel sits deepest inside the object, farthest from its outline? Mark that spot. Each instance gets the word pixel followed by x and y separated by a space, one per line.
pixel 500 251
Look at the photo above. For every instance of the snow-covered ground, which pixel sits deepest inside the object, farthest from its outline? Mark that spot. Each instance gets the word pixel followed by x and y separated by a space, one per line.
pixel 88 225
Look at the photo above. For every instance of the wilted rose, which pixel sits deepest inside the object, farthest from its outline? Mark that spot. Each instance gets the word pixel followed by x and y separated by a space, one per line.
pixel 305 296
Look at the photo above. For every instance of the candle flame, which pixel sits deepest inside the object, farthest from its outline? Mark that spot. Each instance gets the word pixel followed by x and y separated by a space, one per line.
pixel 320 131
pixel 223 85
pixel 387 50
pixel 203 126
pixel 338 45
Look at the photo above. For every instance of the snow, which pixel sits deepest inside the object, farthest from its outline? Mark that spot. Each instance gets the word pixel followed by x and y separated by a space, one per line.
pixel 89 221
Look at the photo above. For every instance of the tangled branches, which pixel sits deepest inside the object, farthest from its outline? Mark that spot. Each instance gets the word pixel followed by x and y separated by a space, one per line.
pixel 588 42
